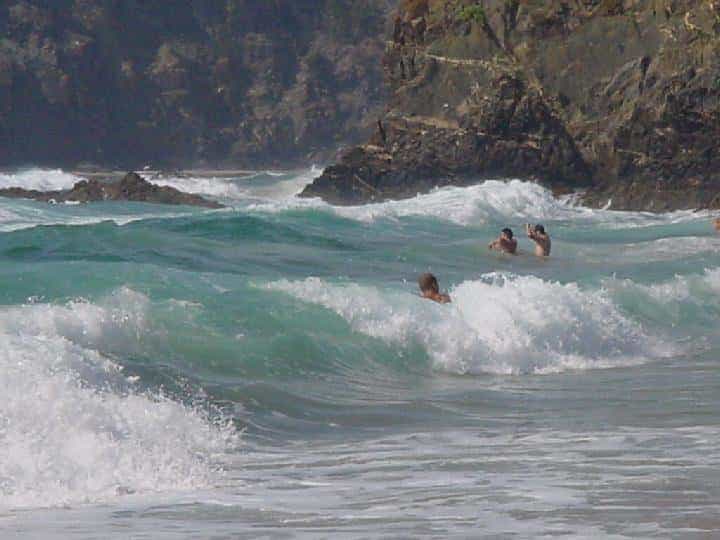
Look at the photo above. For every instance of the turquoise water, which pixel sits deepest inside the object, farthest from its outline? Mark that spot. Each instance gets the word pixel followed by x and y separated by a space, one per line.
pixel 268 370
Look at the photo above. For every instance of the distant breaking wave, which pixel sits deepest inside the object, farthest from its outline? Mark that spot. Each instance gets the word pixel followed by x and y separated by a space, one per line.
pixel 40 179
pixel 488 201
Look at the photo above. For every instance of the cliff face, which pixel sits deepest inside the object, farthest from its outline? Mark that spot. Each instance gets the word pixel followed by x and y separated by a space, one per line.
pixel 618 96
pixel 182 82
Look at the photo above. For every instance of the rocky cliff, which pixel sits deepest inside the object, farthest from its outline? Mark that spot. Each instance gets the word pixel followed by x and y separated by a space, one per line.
pixel 619 97
pixel 186 82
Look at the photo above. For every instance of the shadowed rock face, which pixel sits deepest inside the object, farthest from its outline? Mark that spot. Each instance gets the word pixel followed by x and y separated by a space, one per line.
pixel 132 187
pixel 619 97
pixel 181 83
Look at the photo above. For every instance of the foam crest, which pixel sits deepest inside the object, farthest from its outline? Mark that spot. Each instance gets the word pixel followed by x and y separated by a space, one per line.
pixel 543 326
pixel 260 189
pixel 40 179
pixel 498 324
pixel 225 188
pixel 72 429
pixel 694 288
pixel 498 201
pixel 468 205
pixel 17 214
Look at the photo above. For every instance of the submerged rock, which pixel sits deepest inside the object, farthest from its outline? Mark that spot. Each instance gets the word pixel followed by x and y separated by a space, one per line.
pixel 132 187
pixel 621 99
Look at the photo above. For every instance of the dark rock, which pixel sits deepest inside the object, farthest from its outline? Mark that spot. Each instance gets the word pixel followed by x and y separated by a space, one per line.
pixel 612 97
pixel 132 187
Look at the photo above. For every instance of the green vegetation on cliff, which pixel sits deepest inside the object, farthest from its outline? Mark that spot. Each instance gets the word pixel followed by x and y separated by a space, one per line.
pixel 617 96
pixel 184 82
pixel 474 13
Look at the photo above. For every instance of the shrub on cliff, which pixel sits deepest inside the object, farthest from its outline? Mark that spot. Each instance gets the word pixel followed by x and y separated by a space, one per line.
pixel 474 13
pixel 415 8
pixel 349 20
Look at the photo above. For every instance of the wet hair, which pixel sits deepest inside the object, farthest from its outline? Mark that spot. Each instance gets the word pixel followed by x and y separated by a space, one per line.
pixel 539 229
pixel 508 232
pixel 428 282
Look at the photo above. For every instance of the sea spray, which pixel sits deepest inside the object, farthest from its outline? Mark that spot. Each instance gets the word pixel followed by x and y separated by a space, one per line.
pixel 499 324
pixel 254 189
pixel 74 429
pixel 39 179
pixel 487 202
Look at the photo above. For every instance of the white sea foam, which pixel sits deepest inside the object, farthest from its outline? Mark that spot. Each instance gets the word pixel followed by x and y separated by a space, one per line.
pixel 40 179
pixel 498 324
pixel 657 250
pixel 224 188
pixel 263 192
pixel 693 288
pixel 72 429
pixel 489 201
pixel 250 189
pixel 21 214
pixel 497 200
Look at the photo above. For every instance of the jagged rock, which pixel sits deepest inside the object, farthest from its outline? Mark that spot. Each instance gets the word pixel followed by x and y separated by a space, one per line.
pixel 132 187
pixel 619 98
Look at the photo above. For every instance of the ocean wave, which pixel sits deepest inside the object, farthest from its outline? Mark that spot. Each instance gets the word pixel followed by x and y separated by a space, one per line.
pixel 499 200
pixel 488 201
pixel 264 187
pixel 224 188
pixel 17 215
pixel 686 304
pixel 72 427
pixel 695 288
pixel 40 179
pixel 502 324
pixel 491 201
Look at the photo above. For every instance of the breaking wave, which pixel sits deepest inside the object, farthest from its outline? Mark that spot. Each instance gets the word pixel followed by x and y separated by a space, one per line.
pixel 489 201
pixel 254 189
pixel 40 179
pixel 73 428
pixel 502 324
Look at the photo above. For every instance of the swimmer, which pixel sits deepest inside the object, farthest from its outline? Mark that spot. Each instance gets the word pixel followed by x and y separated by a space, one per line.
pixel 505 242
pixel 430 289
pixel 542 239
pixel 716 224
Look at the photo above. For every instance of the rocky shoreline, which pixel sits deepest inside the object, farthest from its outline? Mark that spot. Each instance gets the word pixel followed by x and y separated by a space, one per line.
pixel 131 187
pixel 620 100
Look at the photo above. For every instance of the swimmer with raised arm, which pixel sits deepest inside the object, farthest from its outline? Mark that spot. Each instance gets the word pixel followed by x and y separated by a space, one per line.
pixel 505 242
pixel 430 289
pixel 542 239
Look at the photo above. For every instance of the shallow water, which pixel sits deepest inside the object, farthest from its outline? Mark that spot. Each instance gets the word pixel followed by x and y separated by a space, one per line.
pixel 268 371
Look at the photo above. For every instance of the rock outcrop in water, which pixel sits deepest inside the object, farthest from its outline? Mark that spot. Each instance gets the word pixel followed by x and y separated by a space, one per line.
pixel 181 83
pixel 620 97
pixel 132 187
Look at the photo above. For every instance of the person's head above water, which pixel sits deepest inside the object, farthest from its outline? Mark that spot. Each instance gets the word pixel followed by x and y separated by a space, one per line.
pixel 542 239
pixel 428 283
pixel 505 242
pixel 431 290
